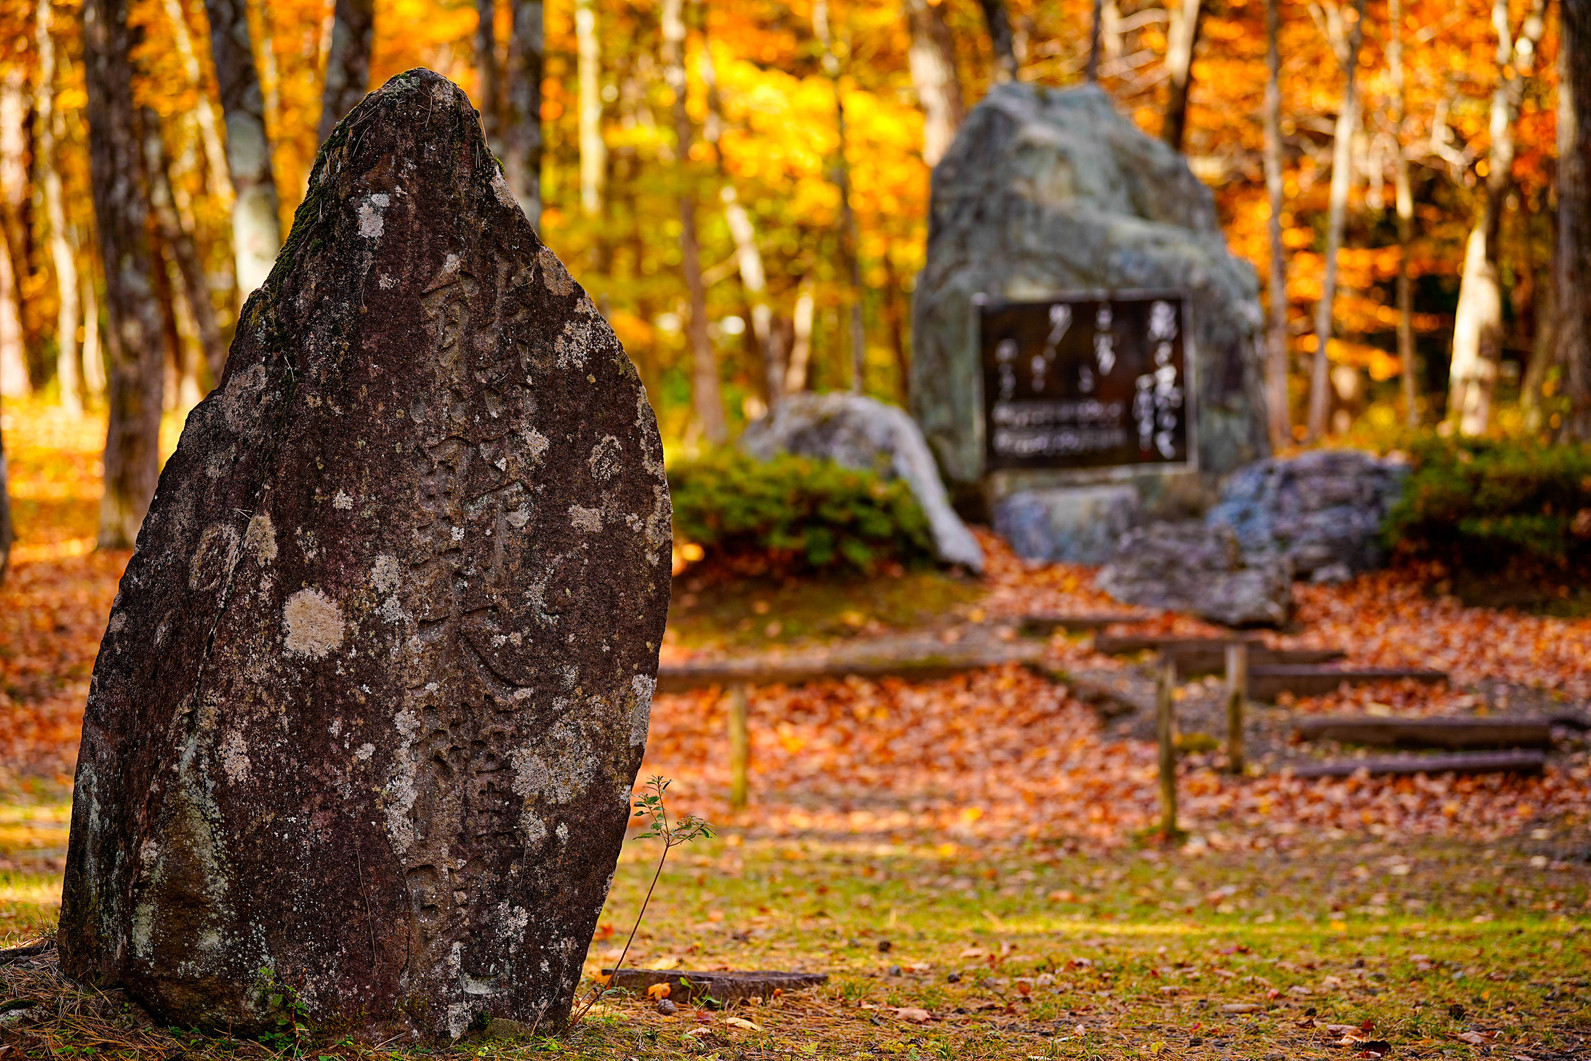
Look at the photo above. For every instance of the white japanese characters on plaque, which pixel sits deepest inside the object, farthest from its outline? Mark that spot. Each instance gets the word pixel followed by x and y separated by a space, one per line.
pixel 1090 380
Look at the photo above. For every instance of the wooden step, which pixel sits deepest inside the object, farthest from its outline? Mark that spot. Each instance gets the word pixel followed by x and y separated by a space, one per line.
pixel 1045 624
pixel 721 987
pixel 799 669
pixel 1509 762
pixel 1500 732
pixel 1207 655
pixel 1270 681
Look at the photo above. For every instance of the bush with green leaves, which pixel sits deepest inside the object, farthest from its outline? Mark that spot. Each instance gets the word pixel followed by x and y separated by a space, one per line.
pixel 795 514
pixel 1490 506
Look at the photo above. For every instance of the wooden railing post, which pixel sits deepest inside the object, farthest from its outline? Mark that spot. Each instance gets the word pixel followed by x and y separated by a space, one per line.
pixel 1165 731
pixel 739 747
pixel 1236 699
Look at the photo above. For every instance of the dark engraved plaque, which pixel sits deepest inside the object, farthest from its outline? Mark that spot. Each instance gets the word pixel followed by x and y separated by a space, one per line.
pixel 1087 380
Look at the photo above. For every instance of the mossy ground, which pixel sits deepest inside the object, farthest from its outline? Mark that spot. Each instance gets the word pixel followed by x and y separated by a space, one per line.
pixel 710 612
pixel 1121 953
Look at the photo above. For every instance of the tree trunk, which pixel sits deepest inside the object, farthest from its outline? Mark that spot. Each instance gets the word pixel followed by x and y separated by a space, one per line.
pixel 895 321
pixel 707 396
pixel 1001 41
pixel 1182 37
pixel 5 513
pixel 1276 360
pixel 522 138
pixel 348 65
pixel 588 74
pixel 1341 174
pixel 1478 320
pixel 14 379
pixel 204 113
pixel 748 257
pixel 490 101
pixel 795 379
pixel 849 242
pixel 1096 40
pixel 1405 209
pixel 135 336
pixel 178 240
pixel 62 253
pixel 1572 262
pixel 932 58
pixel 256 223
pixel 94 382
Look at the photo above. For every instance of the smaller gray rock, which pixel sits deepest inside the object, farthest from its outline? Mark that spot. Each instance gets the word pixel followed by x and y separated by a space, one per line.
pixel 1075 525
pixel 1324 510
pixel 1204 570
pixel 666 1008
pixel 858 432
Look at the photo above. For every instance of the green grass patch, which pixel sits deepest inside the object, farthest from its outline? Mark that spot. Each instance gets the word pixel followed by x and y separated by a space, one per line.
pixel 940 949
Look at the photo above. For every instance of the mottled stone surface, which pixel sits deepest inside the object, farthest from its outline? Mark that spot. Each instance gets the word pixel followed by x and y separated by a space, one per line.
pixel 860 432
pixel 1204 570
pixel 1074 525
pixel 1324 510
pixel 375 688
pixel 1049 191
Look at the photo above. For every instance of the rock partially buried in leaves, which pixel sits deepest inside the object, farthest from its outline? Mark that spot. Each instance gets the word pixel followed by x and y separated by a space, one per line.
pixel 365 721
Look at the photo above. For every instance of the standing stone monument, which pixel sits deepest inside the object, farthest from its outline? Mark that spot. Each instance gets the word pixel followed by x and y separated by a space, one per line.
pixel 1056 228
pixel 364 724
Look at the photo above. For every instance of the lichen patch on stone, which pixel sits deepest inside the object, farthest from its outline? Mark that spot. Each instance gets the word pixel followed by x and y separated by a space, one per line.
pixel 235 757
pixel 370 221
pixel 260 539
pixel 312 624
pixel 586 519
pixel 386 574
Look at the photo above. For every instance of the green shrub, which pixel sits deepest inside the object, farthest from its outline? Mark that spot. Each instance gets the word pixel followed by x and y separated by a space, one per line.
pixel 794 514
pixel 1490 506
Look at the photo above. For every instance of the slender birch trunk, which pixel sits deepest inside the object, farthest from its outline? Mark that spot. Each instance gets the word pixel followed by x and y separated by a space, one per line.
pixel 204 113
pixel 347 80
pixel 1341 175
pixel 94 381
pixel 1182 37
pixel 486 63
pixel 1404 199
pixel 1478 321
pixel 14 378
pixel 522 138
pixel 5 513
pixel 795 379
pixel 849 242
pixel 932 59
pixel 1276 361
pixel 52 129
pixel 256 222
pixel 1572 261
pixel 707 396
pixel 136 335
pixel 1001 40
pixel 748 257
pixel 588 75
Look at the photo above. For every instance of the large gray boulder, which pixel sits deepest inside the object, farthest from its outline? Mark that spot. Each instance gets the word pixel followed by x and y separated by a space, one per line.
pixel 1046 191
pixel 1323 510
pixel 859 432
pixel 362 732
pixel 1190 567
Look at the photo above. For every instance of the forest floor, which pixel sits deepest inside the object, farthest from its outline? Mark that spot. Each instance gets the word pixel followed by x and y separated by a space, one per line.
pixel 988 827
